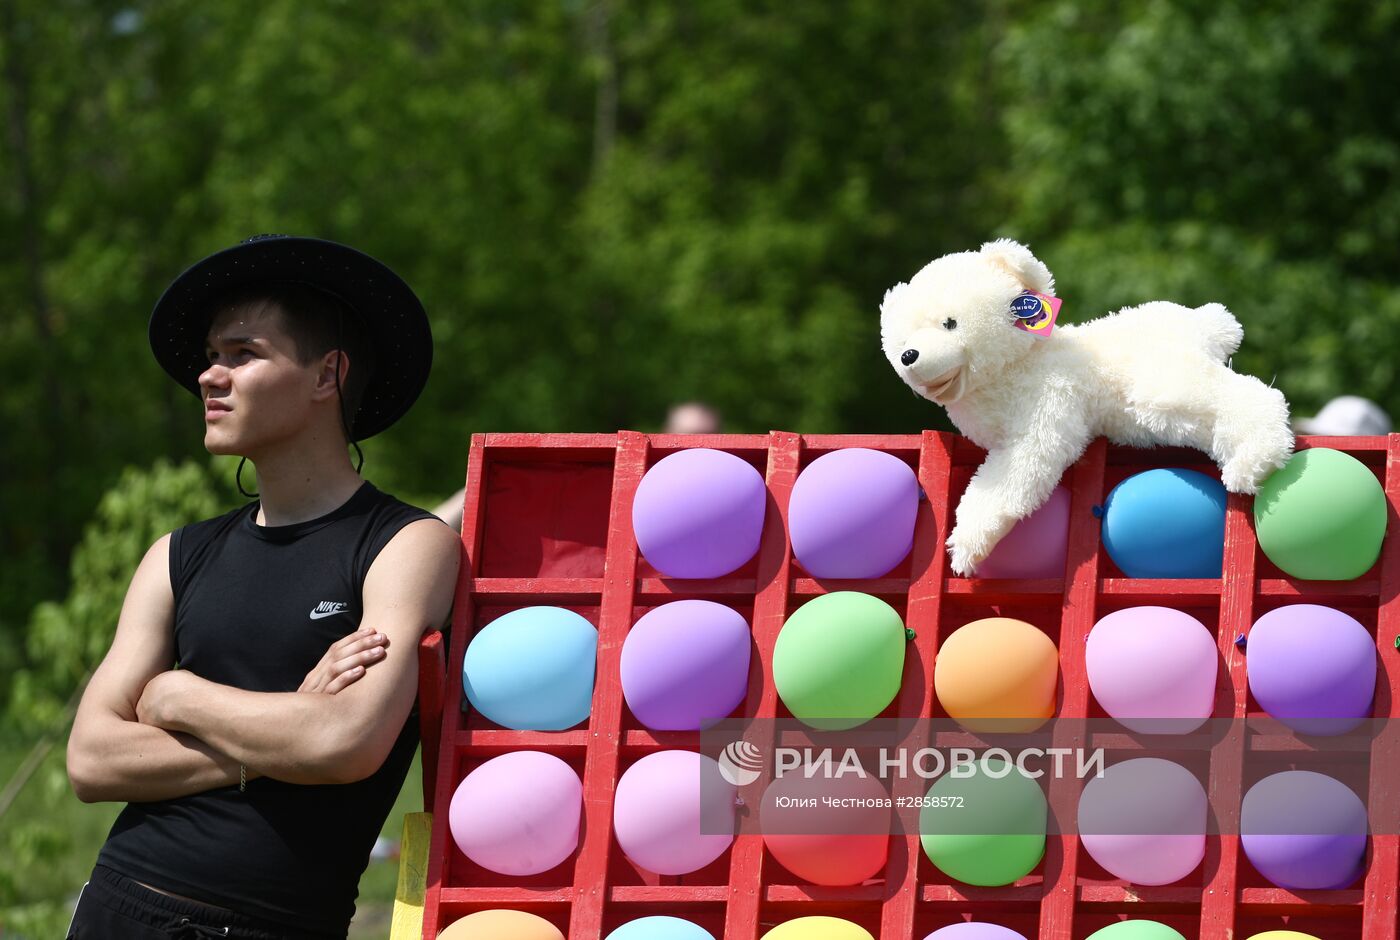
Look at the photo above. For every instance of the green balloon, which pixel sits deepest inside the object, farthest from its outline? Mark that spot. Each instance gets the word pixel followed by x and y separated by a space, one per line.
pixel 987 828
pixel 838 660
pixel 1321 517
pixel 1136 930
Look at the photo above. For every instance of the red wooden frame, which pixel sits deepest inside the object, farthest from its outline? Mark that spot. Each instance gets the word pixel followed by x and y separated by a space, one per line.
pixel 740 897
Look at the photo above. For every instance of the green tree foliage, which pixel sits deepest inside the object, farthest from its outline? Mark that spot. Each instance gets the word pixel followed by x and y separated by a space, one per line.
pixel 1230 151
pixel 607 207
pixel 66 640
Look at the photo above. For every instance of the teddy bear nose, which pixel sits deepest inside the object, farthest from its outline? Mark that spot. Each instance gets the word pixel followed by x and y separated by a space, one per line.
pixel 909 357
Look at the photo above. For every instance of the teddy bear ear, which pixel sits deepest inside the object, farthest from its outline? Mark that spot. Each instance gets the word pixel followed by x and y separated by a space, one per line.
pixel 1016 259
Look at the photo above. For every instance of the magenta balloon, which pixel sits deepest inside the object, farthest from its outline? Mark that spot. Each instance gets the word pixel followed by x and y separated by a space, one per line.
pixel 1144 821
pixel 1036 546
pixel 518 814
pixel 852 514
pixel 975 932
pixel 1304 830
pixel 685 664
pixel 1313 668
pixel 1153 669
pixel 665 820
pixel 699 513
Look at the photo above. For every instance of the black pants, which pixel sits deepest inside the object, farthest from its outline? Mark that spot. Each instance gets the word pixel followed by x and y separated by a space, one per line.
pixel 113 907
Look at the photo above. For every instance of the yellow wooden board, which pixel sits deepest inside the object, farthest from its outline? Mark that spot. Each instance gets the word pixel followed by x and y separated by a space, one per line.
pixel 413 877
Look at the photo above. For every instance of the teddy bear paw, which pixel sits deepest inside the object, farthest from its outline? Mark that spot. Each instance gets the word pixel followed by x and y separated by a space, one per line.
pixel 1239 477
pixel 963 557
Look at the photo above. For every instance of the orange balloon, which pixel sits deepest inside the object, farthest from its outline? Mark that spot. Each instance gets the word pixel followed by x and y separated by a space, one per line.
pixel 501 925
pixel 997 674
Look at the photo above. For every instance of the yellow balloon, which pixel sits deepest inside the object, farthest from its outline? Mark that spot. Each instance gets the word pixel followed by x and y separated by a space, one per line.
pixel 501 925
pixel 1282 935
pixel 997 674
pixel 818 928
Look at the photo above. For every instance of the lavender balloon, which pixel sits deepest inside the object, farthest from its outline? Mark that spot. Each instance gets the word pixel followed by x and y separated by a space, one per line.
pixel 518 814
pixel 685 665
pixel 699 513
pixel 1153 669
pixel 975 932
pixel 1313 668
pixel 1036 546
pixel 1304 830
pixel 852 514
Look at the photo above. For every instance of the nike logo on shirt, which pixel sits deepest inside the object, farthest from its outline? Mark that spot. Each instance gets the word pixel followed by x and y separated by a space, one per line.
pixel 328 609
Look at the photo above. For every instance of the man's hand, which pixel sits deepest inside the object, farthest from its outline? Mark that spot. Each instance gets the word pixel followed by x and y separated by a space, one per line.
pixel 154 706
pixel 346 661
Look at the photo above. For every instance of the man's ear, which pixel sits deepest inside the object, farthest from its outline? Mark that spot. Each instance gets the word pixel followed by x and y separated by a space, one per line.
pixel 1016 259
pixel 325 379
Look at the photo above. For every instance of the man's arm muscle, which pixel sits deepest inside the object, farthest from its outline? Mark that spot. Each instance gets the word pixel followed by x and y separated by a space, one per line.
pixel 111 756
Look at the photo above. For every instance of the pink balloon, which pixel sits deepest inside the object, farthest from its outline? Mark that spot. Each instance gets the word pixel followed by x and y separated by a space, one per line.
pixel 1036 546
pixel 1144 821
pixel 975 931
pixel 665 820
pixel 1153 669
pixel 518 814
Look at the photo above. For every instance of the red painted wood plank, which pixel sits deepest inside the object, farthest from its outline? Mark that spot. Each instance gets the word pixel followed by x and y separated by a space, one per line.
pixel 769 613
pixel 490 588
pixel 432 691
pixel 1139 897
pixel 1378 916
pixel 1221 898
pixel 614 620
pixel 929 563
pixel 547 442
pixel 963 896
pixel 1076 619
pixel 463 609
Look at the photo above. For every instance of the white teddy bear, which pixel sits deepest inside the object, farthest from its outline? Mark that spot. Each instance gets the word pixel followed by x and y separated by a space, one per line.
pixel 1157 373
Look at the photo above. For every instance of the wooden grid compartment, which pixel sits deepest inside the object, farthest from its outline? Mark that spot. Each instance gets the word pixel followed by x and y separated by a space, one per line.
pixel 589 562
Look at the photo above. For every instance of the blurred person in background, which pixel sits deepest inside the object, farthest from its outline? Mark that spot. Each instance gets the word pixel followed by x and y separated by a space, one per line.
pixel 1346 416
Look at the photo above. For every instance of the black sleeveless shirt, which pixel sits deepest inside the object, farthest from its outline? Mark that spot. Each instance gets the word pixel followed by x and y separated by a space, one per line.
pixel 255 608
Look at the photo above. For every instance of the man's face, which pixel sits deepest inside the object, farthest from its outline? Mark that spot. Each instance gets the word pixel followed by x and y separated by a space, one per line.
pixel 256 393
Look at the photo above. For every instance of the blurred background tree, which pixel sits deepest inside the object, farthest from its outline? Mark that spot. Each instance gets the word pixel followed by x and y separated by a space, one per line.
pixel 609 207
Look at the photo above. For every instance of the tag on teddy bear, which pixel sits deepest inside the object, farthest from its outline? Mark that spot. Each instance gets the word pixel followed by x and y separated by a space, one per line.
pixel 1035 313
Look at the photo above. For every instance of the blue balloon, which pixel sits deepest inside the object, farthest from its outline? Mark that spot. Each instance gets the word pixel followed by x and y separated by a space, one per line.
pixel 660 928
pixel 1166 523
pixel 532 669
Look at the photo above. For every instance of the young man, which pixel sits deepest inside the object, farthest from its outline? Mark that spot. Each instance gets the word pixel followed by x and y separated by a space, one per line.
pixel 254 710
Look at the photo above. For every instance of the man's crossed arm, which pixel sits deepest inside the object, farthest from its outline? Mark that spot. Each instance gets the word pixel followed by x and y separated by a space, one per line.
pixel 145 732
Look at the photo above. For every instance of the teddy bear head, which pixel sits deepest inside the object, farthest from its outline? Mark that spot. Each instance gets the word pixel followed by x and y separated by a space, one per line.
pixel 950 329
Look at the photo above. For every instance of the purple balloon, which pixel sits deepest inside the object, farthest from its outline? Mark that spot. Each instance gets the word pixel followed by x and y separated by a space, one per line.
pixel 1313 668
pixel 1036 546
pixel 699 513
pixel 518 814
pixel 852 514
pixel 975 932
pixel 1144 821
pixel 1153 669
pixel 665 820
pixel 1304 830
pixel 685 664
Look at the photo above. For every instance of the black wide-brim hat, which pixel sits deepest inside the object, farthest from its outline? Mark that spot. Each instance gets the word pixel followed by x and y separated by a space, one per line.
pixel 393 317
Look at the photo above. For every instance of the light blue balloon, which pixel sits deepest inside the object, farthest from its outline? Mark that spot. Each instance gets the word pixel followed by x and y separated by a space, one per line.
pixel 1166 523
pixel 532 669
pixel 660 928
